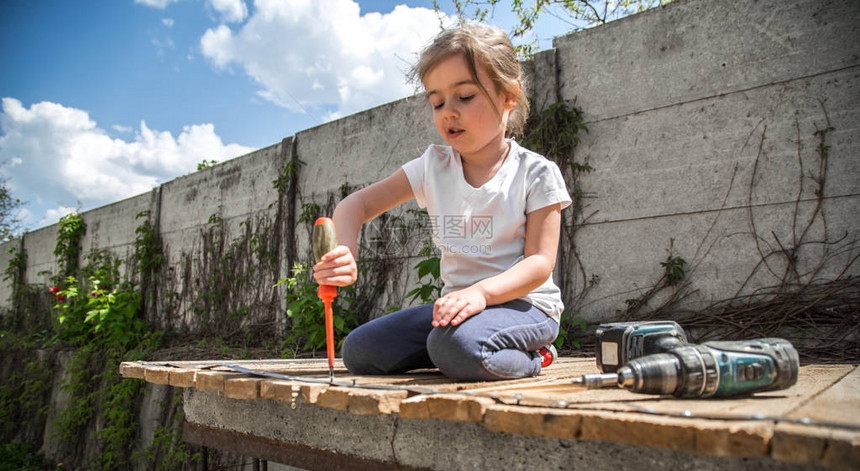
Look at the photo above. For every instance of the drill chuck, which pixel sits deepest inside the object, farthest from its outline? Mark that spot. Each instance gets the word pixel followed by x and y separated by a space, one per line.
pixel 689 371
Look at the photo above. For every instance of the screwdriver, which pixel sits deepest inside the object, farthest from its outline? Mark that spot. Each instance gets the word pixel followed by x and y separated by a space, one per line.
pixel 324 240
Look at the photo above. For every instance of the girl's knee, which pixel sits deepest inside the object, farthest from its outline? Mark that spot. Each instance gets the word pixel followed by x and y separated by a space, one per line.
pixel 362 356
pixel 456 356
pixel 356 356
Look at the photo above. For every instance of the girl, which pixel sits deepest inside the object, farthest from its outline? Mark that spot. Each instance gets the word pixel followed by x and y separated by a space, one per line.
pixel 496 209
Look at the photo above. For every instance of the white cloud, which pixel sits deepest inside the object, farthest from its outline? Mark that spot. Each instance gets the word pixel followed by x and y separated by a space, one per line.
pixel 168 22
pixel 231 11
pixel 156 3
pixel 61 156
pixel 324 54
pixel 54 215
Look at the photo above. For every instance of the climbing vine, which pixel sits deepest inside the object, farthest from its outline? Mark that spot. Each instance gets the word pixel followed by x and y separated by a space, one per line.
pixel 68 248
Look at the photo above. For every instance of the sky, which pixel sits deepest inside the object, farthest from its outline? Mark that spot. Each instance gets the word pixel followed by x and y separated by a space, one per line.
pixel 102 100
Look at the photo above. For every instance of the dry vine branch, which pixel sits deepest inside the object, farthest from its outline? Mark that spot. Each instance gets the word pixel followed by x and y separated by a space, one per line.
pixel 821 317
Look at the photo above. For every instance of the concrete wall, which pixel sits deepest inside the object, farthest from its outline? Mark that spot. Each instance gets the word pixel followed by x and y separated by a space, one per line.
pixel 702 118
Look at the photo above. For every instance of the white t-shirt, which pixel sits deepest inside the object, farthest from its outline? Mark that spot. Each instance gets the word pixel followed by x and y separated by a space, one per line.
pixel 481 232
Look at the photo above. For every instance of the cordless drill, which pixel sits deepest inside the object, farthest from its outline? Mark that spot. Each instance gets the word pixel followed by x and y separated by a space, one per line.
pixel 655 359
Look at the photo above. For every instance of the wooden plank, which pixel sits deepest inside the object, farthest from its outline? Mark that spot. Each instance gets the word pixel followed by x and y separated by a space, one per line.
pixel 636 429
pixel 812 380
pixel 182 377
pixel 279 390
pixel 729 438
pixel 714 437
pixel 562 395
pixel 376 402
pixel 446 406
pixel 311 392
pixel 334 398
pixel 838 403
pixel 242 388
pixel 804 444
pixel 132 369
pixel 361 401
pixel 533 421
pixel 830 446
pixel 213 381
pixel 842 451
pixel 157 374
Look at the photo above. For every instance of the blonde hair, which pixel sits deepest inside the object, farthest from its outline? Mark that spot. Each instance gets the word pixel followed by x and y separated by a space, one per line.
pixel 489 47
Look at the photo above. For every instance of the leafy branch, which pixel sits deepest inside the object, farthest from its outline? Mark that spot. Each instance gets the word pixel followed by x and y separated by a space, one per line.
pixel 578 14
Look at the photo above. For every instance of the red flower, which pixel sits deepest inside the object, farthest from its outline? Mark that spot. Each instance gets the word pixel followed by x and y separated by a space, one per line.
pixel 61 298
pixel 54 289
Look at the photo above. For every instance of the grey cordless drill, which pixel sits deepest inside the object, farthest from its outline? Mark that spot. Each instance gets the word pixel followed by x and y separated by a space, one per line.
pixel 655 358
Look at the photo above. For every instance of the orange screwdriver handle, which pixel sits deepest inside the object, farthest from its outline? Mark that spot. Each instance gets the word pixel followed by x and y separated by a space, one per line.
pixel 323 241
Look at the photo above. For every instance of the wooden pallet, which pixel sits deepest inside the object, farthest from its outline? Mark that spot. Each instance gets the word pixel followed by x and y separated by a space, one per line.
pixel 551 406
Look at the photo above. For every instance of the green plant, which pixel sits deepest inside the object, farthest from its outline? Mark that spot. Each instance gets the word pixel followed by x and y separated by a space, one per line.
pixel 147 246
pixel 215 219
pixel 674 271
pixel 16 456
pixel 555 133
pixel 430 289
pixel 310 212
pixel 168 450
pixel 17 264
pixel 81 384
pixel 287 174
pixel 109 314
pixel 206 164
pixel 569 324
pixel 68 248
pixel 116 399
pixel 306 311
pixel 24 396
pixel 674 268
pixel 106 326
pixel 14 274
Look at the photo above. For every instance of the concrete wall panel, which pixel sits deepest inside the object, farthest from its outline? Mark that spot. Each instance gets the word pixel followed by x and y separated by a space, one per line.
pixel 364 147
pixel 682 159
pixel 690 50
pixel 41 262
pixel 723 259
pixel 203 213
pixel 112 227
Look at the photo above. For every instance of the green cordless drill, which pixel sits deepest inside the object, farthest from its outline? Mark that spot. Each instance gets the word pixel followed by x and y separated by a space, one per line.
pixel 655 358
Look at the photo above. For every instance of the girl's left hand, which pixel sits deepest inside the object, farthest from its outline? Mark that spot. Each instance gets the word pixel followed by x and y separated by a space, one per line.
pixel 454 308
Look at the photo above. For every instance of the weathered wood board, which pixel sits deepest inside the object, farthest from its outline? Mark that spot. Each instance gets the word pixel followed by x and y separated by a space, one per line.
pixel 816 421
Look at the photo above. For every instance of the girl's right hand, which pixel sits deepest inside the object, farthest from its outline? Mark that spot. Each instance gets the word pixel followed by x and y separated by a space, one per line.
pixel 336 268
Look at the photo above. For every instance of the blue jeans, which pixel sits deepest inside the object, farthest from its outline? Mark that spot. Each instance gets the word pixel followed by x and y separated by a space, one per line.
pixel 499 343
